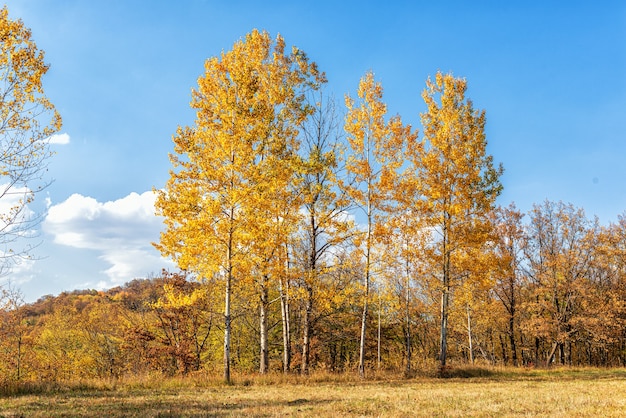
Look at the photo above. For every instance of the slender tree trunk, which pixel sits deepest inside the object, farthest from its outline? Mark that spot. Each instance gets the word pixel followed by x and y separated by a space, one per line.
pixel 364 314
pixel 263 308
pixel 362 341
pixel 550 357
pixel 407 322
pixel 505 355
pixel 379 358
pixel 445 298
pixel 469 335
pixel 306 331
pixel 310 282
pixel 512 311
pixel 512 340
pixel 367 292
pixel 285 316
pixel 443 341
pixel 569 353
pixel 407 319
pixel 445 294
pixel 537 344
pixel 227 317
pixel 492 357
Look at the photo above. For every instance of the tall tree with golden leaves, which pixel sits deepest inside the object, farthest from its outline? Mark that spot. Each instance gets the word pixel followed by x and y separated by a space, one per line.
pixel 249 103
pixel 27 120
pixel 325 225
pixel 375 156
pixel 458 181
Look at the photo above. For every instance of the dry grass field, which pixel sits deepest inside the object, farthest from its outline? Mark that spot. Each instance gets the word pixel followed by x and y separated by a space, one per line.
pixel 473 392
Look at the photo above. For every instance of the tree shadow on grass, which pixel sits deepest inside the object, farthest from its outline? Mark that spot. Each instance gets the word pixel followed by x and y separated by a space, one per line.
pixel 466 372
pixel 257 408
pixel 157 405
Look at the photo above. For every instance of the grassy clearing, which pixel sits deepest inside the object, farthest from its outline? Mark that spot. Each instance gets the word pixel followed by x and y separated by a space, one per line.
pixel 481 392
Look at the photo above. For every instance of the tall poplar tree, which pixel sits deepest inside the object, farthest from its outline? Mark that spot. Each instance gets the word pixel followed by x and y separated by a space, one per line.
pixel 324 208
pixel 375 155
pixel 249 103
pixel 458 182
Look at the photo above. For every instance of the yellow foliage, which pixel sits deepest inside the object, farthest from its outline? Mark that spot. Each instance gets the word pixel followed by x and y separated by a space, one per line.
pixel 228 205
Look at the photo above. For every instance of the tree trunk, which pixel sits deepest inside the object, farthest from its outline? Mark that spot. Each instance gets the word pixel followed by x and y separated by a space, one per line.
pixel 227 297
pixel 407 344
pixel 227 318
pixel 263 308
pixel 469 335
pixel 550 357
pixel 285 317
pixel 362 341
pixel 537 344
pixel 306 331
pixel 445 296
pixel 407 320
pixel 311 278
pixel 512 311
pixel 379 358
pixel 367 287
pixel 512 339
pixel 505 355
pixel 443 341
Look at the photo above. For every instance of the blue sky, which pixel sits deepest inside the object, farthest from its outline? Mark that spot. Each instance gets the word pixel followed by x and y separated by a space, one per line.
pixel 550 75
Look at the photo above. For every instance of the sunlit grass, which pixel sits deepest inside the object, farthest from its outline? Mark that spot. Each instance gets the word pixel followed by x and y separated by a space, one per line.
pixel 474 392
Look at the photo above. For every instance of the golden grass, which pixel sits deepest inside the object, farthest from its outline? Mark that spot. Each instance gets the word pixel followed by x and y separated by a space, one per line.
pixel 495 392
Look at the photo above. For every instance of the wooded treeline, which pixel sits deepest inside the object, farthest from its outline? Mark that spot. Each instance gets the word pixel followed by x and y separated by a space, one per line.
pixel 553 293
pixel 311 238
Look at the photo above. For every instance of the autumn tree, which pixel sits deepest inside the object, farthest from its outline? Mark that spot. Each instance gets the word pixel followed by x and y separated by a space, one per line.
pixel 603 330
pixel 560 239
pixel 27 120
pixel 12 333
pixel 509 246
pixel 458 182
pixel 275 208
pixel 404 244
pixel 249 103
pixel 77 339
pixel 324 225
pixel 406 240
pixel 99 322
pixel 375 156
pixel 184 317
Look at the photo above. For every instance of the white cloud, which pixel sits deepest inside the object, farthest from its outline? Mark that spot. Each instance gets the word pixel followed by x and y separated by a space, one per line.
pixel 120 231
pixel 59 139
